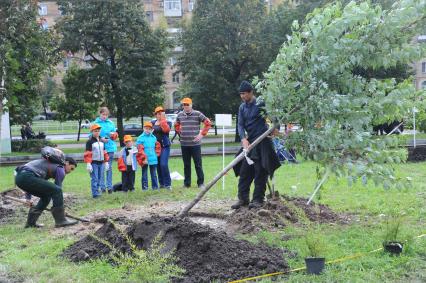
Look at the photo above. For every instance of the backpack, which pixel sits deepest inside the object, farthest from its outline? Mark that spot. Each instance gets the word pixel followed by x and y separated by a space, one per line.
pixel 53 155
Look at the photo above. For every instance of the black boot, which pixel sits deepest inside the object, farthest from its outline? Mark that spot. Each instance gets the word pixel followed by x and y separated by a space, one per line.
pixel 32 218
pixel 256 204
pixel 60 219
pixel 239 204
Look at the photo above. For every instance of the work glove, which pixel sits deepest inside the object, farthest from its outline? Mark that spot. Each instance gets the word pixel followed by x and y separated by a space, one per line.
pixel 89 168
pixel 106 166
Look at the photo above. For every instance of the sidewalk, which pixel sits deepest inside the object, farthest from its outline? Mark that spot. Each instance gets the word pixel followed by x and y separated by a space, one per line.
pixel 204 141
pixel 16 160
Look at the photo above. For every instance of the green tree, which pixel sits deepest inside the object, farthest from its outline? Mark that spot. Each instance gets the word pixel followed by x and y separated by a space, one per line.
pixel 222 46
pixel 81 97
pixel 313 82
pixel 126 56
pixel 27 53
pixel 47 89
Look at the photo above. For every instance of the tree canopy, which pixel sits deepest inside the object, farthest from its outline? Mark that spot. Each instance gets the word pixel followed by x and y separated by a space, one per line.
pixel 125 55
pixel 314 82
pixel 27 53
pixel 222 45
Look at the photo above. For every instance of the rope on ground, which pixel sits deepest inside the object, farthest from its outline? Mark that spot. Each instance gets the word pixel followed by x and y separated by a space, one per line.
pixel 303 268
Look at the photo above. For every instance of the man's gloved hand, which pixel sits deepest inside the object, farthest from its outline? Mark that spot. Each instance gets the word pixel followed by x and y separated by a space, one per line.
pixel 106 166
pixel 89 168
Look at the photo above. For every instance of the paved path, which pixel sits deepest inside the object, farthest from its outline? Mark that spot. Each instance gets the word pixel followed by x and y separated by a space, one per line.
pixel 85 135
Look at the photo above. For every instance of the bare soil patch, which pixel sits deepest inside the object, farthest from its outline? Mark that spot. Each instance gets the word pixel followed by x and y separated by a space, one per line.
pixel 206 254
pixel 279 212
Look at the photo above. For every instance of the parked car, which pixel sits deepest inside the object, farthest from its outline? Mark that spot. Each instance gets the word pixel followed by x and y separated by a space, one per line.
pixel 85 124
pixel 171 118
pixel 133 129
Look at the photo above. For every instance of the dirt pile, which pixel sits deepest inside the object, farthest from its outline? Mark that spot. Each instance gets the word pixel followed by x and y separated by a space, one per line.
pixel 98 245
pixel 276 213
pixel 6 214
pixel 205 254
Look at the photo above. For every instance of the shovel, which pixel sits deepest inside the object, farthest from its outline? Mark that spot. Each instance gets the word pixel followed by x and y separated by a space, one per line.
pixel 66 214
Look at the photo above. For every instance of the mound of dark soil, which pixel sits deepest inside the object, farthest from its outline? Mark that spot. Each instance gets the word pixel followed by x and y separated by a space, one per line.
pixel 90 247
pixel 277 212
pixel 6 214
pixel 206 254
pixel 416 154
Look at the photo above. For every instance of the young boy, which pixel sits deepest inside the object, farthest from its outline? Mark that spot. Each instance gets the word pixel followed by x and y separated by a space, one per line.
pixel 148 151
pixel 127 164
pixel 96 158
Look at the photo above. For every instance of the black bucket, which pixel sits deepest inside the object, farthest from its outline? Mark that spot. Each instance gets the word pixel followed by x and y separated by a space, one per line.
pixel 314 265
pixel 394 248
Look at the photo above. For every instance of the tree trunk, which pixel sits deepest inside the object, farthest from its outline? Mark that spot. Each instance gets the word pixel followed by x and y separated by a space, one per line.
pixel 44 108
pixel 118 100
pixel 215 129
pixel 237 136
pixel 79 129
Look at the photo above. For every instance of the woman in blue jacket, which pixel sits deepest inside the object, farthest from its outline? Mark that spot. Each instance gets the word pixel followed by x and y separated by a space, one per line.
pixel 108 136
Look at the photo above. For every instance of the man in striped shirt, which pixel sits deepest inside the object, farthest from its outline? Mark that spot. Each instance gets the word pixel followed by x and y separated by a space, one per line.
pixel 188 127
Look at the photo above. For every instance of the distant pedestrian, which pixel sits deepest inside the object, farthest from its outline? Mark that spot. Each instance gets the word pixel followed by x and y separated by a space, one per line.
pixel 108 136
pixel 188 127
pixel 161 131
pixel 23 136
pixel 97 159
pixel 128 165
pixel 29 133
pixel 148 151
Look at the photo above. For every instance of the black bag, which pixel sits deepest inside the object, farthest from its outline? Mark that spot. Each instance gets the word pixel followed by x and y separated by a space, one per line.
pixel 53 155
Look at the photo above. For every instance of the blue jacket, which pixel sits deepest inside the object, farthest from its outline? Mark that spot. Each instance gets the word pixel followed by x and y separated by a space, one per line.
pixel 107 127
pixel 251 119
pixel 149 142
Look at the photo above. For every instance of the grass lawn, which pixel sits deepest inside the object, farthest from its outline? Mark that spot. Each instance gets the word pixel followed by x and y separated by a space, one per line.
pixel 33 254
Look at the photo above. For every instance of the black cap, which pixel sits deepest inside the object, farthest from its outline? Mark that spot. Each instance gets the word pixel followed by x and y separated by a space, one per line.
pixel 245 86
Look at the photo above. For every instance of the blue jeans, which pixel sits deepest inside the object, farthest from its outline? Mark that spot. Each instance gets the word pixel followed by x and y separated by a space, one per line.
pixel 108 174
pixel 96 176
pixel 154 181
pixel 163 168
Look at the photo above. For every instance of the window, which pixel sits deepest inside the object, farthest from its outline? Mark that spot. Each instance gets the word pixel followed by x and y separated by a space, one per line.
pixel 149 16
pixel 172 61
pixel 66 63
pixel 424 85
pixel 172 8
pixel 191 5
pixel 175 78
pixel 42 9
pixel 424 67
pixel 44 25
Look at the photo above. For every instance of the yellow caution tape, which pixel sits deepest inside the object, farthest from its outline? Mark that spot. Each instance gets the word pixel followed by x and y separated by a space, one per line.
pixel 303 268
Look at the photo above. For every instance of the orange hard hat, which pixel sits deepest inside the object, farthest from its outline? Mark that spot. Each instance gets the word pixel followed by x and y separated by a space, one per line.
pixel 147 124
pixel 186 100
pixel 127 138
pixel 158 109
pixel 94 127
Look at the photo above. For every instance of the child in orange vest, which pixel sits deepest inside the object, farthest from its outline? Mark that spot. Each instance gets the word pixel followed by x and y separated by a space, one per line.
pixel 97 159
pixel 127 164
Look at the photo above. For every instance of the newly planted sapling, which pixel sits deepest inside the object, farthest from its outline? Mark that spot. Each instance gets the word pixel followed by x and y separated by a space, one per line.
pixel 315 246
pixel 392 242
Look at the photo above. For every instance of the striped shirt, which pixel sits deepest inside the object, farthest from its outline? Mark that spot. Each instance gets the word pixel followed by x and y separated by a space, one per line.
pixel 190 126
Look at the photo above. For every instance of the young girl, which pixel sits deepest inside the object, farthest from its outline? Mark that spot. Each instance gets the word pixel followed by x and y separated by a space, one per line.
pixel 150 148
pixel 127 164
pixel 95 156
pixel 108 136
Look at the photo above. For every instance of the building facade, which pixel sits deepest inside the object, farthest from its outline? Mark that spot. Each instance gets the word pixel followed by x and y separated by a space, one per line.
pixel 420 67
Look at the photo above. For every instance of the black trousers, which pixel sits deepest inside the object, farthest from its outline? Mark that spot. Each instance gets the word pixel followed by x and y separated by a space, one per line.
pixel 41 188
pixel 247 174
pixel 128 179
pixel 195 153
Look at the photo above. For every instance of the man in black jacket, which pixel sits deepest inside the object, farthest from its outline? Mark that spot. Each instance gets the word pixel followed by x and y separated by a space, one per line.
pixel 251 125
